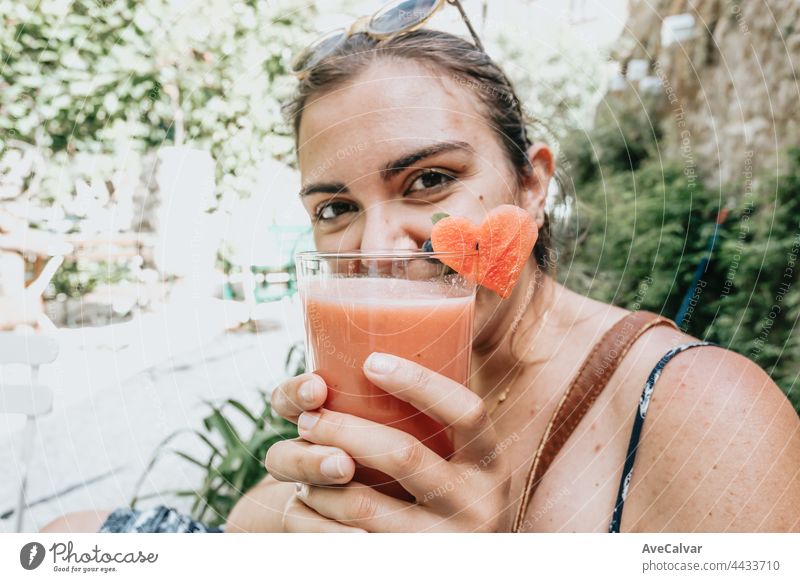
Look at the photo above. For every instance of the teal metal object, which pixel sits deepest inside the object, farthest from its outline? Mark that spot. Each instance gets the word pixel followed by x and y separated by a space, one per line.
pixel 278 279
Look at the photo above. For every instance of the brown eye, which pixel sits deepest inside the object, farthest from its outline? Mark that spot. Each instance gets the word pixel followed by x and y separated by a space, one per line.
pixel 332 210
pixel 429 179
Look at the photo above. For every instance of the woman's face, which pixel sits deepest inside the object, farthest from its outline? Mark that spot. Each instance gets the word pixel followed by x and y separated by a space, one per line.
pixel 379 156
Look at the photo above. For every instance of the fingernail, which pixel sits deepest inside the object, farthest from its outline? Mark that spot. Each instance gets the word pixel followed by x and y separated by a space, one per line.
pixel 307 421
pixel 333 467
pixel 381 363
pixel 302 490
pixel 309 390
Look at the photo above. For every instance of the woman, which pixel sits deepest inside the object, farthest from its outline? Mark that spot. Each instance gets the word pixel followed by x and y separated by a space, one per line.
pixel 389 132
pixel 425 123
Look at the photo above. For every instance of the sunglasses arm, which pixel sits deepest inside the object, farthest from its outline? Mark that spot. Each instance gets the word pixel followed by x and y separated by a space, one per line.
pixel 360 25
pixel 464 16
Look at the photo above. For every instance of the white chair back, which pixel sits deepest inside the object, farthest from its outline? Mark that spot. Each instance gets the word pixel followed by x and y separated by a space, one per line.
pixel 27 348
pixel 31 398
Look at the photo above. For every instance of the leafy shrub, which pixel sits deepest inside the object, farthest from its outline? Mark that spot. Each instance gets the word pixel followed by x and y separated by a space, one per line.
pixel 646 227
pixel 75 279
pixel 90 77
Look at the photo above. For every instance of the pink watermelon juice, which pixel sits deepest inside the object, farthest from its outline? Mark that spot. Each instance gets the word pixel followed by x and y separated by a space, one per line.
pixel 347 319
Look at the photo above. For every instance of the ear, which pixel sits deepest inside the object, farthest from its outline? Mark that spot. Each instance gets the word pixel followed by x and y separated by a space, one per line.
pixel 538 181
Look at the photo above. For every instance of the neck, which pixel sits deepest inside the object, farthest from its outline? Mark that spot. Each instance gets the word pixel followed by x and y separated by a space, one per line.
pixel 498 357
pixel 536 329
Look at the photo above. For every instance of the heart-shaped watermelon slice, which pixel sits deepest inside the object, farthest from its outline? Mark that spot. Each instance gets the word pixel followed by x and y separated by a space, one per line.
pixel 504 241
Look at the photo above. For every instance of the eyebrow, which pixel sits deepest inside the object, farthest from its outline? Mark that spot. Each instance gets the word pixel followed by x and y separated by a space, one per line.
pixel 323 188
pixel 392 168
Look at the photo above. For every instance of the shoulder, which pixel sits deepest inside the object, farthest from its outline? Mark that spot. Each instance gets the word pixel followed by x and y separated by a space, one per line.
pixel 720 448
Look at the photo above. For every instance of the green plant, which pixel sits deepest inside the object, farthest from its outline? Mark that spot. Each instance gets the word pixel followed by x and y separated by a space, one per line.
pixel 235 462
pixel 618 144
pixel 95 85
pixel 646 227
pixel 754 302
pixel 76 279
pixel 296 359
pixel 644 233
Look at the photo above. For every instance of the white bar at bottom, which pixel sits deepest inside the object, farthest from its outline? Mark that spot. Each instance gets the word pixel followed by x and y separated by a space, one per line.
pixel 412 558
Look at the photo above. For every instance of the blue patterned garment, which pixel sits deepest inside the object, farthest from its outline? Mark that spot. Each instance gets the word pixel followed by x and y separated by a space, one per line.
pixel 636 433
pixel 160 519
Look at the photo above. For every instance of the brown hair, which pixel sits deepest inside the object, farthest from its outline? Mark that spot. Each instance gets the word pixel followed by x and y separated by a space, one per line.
pixel 468 66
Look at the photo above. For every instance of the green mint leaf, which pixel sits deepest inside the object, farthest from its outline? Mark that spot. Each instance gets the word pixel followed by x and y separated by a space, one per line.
pixel 438 216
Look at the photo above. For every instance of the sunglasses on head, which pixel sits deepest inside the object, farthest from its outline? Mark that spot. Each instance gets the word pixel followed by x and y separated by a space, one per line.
pixel 393 19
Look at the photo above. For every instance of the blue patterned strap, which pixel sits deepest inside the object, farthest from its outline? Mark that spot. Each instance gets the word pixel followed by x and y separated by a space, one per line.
pixel 636 432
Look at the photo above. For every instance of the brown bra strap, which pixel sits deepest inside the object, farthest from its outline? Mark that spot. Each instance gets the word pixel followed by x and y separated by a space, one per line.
pixel 593 376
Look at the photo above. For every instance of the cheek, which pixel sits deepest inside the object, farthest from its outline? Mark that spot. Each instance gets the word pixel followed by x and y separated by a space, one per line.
pixel 486 191
pixel 346 238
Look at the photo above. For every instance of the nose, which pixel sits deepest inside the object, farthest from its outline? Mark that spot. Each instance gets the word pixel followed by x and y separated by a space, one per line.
pixel 387 227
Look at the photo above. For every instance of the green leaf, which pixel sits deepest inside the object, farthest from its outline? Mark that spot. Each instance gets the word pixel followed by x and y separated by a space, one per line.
pixel 232 462
pixel 192 460
pixel 206 440
pixel 243 409
pixel 437 216
pixel 217 421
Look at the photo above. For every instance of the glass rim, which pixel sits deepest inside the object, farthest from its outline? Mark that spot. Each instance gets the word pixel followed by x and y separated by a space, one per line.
pixel 383 254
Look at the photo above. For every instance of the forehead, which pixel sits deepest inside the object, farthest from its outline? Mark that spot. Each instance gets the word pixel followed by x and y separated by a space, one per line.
pixel 392 104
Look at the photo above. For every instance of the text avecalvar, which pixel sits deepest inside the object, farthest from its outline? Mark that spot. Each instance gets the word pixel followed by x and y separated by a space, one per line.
pixel 671 549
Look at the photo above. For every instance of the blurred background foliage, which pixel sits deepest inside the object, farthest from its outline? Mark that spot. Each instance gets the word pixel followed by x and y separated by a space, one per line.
pixel 644 223
pixel 120 78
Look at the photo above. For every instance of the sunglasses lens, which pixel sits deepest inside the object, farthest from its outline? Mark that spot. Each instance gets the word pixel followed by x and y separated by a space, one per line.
pixel 401 16
pixel 317 51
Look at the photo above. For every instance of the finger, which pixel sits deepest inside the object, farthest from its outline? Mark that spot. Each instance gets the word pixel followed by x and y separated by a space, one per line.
pixel 360 506
pixel 299 518
pixel 439 397
pixel 392 451
pixel 300 461
pixel 295 395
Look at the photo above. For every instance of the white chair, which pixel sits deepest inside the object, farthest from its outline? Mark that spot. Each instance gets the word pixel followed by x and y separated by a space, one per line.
pixel 31 399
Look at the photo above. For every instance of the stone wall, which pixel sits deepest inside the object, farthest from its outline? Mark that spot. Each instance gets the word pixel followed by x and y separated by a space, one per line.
pixel 728 98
